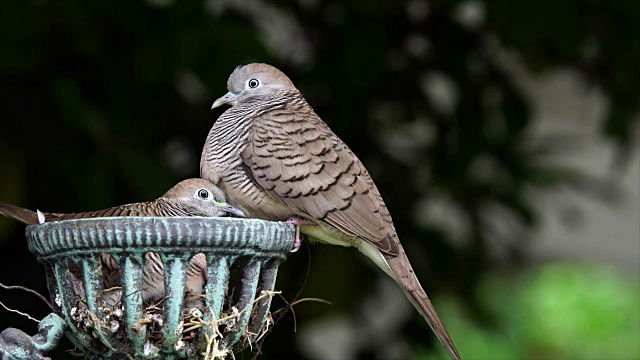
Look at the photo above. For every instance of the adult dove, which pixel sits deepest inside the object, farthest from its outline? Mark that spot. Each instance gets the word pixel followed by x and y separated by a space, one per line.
pixel 275 159
pixel 191 197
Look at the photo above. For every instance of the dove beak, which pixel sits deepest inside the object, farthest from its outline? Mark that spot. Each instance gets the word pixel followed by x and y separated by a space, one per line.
pixel 231 210
pixel 228 98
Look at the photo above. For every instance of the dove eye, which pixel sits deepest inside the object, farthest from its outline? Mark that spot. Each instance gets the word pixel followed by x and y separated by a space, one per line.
pixel 204 194
pixel 253 83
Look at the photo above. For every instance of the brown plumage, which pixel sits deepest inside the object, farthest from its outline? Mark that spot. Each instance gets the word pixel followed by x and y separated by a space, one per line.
pixel 181 200
pixel 191 197
pixel 275 158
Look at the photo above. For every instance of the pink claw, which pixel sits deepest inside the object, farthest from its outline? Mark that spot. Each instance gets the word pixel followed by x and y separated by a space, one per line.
pixel 298 221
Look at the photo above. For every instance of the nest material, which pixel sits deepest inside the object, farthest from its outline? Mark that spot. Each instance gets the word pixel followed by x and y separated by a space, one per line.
pixel 110 327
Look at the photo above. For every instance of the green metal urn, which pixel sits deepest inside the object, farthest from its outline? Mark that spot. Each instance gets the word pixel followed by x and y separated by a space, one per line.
pixel 242 258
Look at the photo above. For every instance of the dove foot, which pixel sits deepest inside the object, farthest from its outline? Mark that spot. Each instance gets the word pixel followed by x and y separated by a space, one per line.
pixel 298 221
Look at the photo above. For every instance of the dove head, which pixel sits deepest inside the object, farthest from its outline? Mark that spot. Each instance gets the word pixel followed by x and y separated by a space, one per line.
pixel 254 81
pixel 203 197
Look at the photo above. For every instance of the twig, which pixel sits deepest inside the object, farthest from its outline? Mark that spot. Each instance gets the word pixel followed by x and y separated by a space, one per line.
pixel 21 313
pixel 198 324
pixel 310 299
pixel 278 313
pixel 11 287
pixel 211 350
pixel 98 325
pixel 286 308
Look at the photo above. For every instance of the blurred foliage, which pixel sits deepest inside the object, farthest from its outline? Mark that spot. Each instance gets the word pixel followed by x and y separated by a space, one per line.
pixel 105 103
pixel 554 311
pixel 590 35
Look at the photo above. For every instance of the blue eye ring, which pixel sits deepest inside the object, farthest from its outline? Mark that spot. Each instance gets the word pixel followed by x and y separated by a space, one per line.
pixel 253 83
pixel 203 194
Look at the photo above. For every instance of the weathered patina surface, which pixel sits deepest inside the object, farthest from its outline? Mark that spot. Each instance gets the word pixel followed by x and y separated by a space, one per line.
pixel 254 247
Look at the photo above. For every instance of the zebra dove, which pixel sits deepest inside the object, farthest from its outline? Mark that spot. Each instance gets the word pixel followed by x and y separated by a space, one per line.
pixel 275 159
pixel 191 197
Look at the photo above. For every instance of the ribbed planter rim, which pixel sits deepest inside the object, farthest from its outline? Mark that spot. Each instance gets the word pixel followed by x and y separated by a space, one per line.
pixel 195 234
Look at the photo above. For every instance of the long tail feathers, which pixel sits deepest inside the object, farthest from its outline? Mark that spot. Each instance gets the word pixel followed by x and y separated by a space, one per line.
pixel 403 271
pixel 25 216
